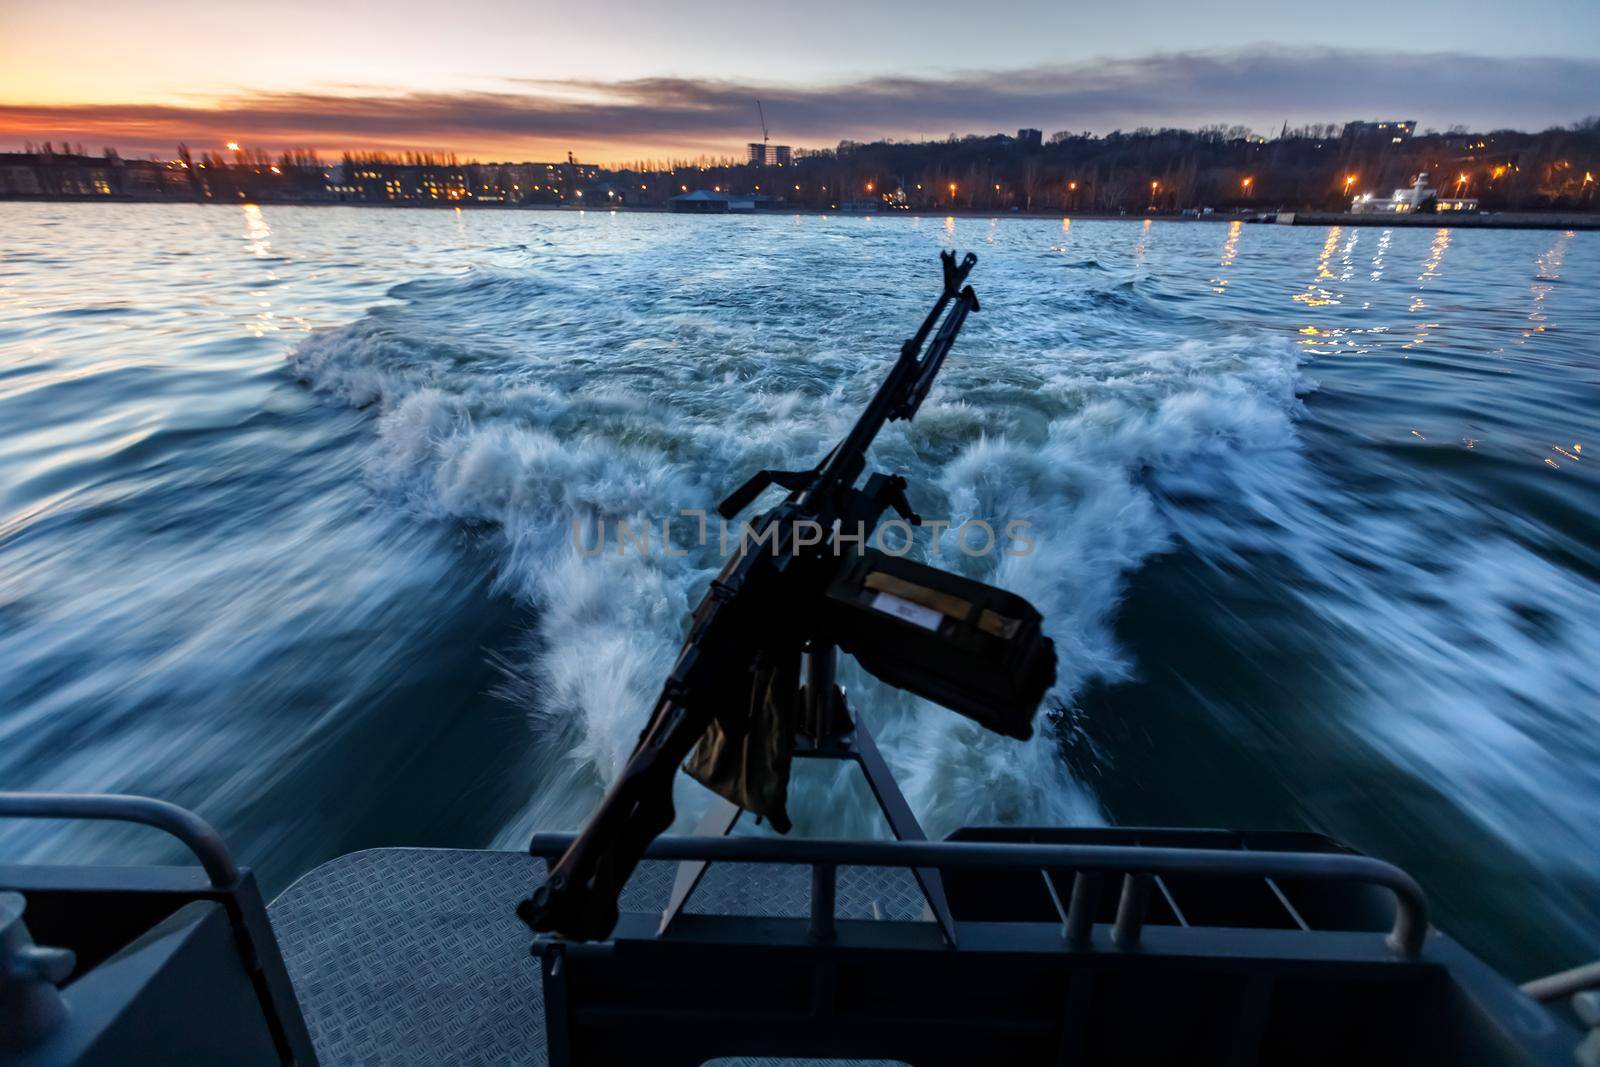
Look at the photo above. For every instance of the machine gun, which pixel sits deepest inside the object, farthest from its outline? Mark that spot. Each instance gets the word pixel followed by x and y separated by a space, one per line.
pixel 805 582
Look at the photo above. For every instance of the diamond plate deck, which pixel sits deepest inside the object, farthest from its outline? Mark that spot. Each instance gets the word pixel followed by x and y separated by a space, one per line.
pixel 408 956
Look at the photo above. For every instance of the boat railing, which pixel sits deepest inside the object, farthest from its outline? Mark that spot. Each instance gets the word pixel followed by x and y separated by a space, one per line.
pixel 200 836
pixel 109 908
pixel 1136 865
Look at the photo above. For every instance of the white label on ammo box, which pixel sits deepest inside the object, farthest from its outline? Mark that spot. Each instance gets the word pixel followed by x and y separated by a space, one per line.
pixel 915 614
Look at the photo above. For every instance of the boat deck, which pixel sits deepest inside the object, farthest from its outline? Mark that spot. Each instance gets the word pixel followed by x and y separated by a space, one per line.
pixel 434 966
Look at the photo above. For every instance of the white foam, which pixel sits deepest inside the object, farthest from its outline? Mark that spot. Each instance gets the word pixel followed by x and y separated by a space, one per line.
pixel 529 444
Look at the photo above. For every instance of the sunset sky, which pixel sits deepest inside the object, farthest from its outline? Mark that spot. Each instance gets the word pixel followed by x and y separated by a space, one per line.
pixel 496 79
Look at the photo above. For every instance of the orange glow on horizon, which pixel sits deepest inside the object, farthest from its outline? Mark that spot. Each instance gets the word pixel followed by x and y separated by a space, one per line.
pixel 213 126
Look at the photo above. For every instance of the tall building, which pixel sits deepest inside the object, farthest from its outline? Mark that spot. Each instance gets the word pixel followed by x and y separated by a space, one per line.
pixel 1030 138
pixel 768 155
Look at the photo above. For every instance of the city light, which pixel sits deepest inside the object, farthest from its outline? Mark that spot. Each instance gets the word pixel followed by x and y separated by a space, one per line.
pixel 494 183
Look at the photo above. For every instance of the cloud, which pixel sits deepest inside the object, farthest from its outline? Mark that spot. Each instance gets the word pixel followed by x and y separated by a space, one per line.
pixel 530 118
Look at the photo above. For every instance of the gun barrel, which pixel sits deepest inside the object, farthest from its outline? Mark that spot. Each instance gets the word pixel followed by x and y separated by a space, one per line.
pixel 846 462
pixel 938 348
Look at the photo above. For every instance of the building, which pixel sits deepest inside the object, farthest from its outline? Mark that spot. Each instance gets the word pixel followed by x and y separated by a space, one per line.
pixel 701 202
pixel 146 179
pixel 59 174
pixel 1419 196
pixel 18 175
pixel 1391 131
pixel 705 202
pixel 1030 138
pixel 768 155
pixel 604 194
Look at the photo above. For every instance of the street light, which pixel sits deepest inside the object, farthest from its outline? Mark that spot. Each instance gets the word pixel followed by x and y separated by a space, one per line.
pixel 1247 183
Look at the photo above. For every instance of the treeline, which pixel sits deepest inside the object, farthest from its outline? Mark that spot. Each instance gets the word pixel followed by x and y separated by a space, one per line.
pixel 1170 170
pixel 1225 168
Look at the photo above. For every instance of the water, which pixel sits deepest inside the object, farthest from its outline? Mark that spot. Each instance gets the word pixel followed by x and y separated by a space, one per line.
pixel 286 495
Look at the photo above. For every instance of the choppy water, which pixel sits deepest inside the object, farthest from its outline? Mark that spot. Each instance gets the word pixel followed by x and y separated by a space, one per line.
pixel 285 498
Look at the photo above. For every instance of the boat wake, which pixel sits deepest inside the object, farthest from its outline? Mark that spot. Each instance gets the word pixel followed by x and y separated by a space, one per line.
pixel 519 406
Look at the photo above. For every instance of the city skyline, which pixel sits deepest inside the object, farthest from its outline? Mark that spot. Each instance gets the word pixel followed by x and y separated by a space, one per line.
pixel 638 82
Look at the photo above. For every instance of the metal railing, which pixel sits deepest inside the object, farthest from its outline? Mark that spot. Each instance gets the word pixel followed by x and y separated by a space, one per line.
pixel 200 836
pixel 1136 864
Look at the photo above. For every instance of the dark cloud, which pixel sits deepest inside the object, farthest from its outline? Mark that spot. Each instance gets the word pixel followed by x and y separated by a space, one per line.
pixel 1258 87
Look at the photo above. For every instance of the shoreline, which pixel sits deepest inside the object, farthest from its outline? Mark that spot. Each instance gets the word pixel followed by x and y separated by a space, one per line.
pixel 1521 220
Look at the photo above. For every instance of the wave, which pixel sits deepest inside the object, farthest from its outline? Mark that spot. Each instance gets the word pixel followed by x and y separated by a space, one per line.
pixel 521 415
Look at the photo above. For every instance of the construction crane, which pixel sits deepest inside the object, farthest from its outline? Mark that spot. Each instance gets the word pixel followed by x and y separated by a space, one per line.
pixel 765 137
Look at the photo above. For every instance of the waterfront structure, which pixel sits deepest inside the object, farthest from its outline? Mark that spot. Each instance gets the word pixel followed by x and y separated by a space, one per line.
pixel 62 174
pixel 1416 197
pixel 715 202
pixel 703 202
pixel 58 174
pixel 1387 131
pixel 18 175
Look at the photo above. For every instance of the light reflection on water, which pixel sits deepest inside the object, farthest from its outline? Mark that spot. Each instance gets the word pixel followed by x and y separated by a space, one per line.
pixel 1548 273
pixel 1316 293
pixel 1353 594
pixel 1230 252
